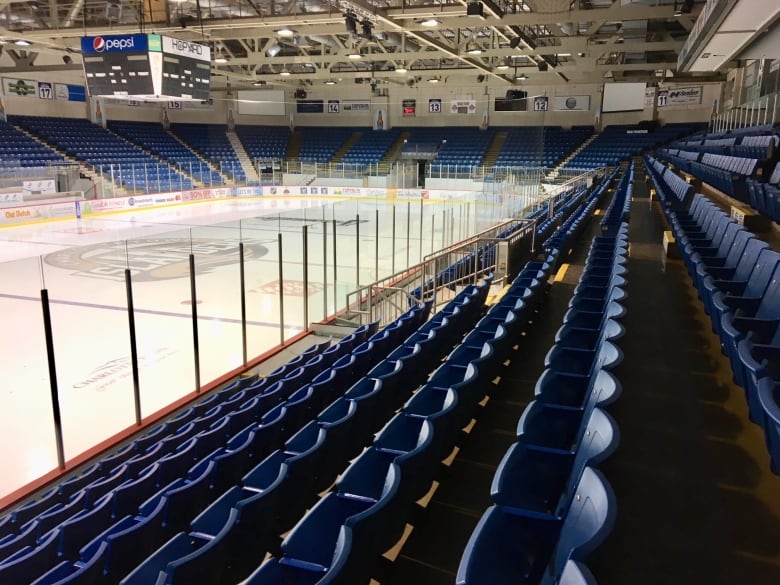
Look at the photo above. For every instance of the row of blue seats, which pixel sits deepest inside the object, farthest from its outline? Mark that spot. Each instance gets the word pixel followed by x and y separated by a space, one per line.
pixel 765 197
pixel 340 538
pixel 58 523
pixel 762 129
pixel 723 180
pixel 551 508
pixel 618 210
pixel 189 421
pixel 737 277
pixel 741 151
pixel 154 138
pixel 563 208
pixel 571 227
pixel 229 539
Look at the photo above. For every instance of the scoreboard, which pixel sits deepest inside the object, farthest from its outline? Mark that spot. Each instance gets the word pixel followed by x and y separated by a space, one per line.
pixel 117 65
pixel 186 69
pixel 146 66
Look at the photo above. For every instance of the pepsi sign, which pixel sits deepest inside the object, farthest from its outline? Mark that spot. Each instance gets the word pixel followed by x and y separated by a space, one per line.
pixel 114 44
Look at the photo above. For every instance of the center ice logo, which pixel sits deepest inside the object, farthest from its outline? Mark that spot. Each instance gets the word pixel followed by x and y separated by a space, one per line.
pixel 154 259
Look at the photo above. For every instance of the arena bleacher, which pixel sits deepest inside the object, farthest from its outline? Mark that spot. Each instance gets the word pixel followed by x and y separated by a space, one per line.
pixel 219 370
pixel 363 422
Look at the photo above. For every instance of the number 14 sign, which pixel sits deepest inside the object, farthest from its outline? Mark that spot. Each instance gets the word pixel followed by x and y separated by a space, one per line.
pixel 434 106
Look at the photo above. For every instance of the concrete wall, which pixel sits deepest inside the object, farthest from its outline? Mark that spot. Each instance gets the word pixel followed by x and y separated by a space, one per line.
pixel 483 94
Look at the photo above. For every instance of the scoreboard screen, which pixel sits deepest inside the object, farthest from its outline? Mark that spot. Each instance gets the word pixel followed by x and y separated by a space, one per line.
pixel 146 66
pixel 117 65
pixel 186 69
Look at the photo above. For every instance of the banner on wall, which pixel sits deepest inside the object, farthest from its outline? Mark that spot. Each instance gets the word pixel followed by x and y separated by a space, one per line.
pixel 178 105
pixel 572 103
pixel 3 114
pixel 597 119
pixel 96 107
pixel 231 119
pixel 20 87
pixel 649 97
pixel 485 118
pixel 682 96
pixel 541 103
pixel 355 106
pixel 380 119
pixel 70 93
pixel 166 121
pixel 463 106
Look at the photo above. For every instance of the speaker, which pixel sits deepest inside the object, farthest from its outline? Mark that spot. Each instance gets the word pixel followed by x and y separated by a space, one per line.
pixel 543 66
pixel 300 94
pixel 475 9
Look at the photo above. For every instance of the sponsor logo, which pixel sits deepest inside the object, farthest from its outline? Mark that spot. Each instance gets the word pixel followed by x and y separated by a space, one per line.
pixel 686 92
pixel 21 88
pixel 187 46
pixel 101 44
pixel 152 260
pixel 113 371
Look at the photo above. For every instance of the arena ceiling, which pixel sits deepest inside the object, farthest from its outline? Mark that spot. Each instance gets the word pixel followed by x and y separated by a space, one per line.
pixel 306 42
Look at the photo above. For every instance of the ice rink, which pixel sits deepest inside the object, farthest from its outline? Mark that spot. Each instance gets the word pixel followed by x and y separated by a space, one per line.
pixel 82 263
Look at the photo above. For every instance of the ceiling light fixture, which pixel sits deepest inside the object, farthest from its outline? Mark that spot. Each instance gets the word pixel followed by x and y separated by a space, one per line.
pixel 220 59
pixel 521 77
pixel 401 69
pixel 429 22
pixel 285 32
pixel 503 66
pixel 433 80
pixel 330 82
pixel 22 43
pixel 285 73
pixel 274 50
pixel 354 55
pixel 474 51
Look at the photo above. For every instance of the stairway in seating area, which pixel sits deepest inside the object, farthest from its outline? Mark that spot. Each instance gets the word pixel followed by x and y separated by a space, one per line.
pixel 243 157
pixel 495 148
pixel 553 174
pixel 294 145
pixel 338 156
pixel 391 156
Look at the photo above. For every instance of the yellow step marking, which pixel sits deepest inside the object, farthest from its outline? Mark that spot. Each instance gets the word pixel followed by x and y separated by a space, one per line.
pixel 561 273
